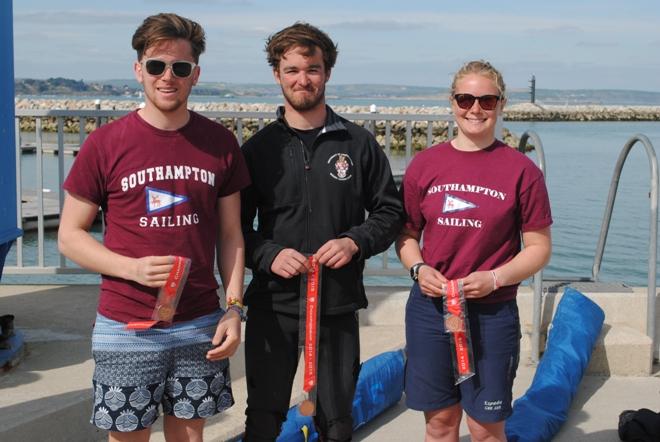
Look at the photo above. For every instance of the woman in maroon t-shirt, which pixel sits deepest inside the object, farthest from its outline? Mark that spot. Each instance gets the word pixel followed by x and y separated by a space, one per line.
pixel 471 200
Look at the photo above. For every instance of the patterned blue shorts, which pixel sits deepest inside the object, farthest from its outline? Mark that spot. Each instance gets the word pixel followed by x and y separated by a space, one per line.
pixel 137 370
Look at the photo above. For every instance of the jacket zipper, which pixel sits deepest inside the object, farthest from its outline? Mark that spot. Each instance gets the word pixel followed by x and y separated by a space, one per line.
pixel 308 167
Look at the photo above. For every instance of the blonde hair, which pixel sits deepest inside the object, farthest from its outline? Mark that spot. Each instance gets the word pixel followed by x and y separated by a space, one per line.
pixel 480 67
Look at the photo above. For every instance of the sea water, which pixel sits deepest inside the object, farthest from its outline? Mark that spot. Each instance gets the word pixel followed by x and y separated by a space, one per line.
pixel 580 159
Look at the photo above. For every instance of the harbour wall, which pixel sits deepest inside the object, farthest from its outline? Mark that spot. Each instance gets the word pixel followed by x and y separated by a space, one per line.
pixel 515 112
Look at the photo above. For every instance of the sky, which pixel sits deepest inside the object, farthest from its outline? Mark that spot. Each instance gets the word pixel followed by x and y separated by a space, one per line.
pixel 565 44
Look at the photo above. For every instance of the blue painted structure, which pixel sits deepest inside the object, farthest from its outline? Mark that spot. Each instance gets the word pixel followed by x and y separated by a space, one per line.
pixel 12 345
pixel 9 230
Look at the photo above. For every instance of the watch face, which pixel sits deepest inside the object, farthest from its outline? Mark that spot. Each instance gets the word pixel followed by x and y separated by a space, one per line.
pixel 414 271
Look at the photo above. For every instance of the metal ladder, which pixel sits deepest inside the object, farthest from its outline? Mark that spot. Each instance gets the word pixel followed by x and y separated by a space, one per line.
pixel 602 239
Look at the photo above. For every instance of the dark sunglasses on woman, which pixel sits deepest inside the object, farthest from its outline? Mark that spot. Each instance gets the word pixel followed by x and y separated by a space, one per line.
pixel 180 68
pixel 487 102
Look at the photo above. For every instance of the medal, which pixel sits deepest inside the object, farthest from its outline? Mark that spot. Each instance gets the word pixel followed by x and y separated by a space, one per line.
pixel 307 408
pixel 165 313
pixel 455 320
pixel 168 296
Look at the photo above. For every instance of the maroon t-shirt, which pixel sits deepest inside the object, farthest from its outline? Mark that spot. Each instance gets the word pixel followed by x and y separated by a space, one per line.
pixel 159 192
pixel 472 206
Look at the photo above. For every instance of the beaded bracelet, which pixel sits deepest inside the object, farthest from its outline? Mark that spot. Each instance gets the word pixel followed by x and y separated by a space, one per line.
pixel 237 306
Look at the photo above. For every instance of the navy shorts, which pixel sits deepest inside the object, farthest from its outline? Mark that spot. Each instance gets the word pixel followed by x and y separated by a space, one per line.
pixel 429 376
pixel 136 371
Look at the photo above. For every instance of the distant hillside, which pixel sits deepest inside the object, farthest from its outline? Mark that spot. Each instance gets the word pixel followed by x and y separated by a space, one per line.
pixel 119 87
pixel 64 86
pixel 333 90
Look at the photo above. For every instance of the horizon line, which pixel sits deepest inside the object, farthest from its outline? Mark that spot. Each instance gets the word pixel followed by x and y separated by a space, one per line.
pixel 200 83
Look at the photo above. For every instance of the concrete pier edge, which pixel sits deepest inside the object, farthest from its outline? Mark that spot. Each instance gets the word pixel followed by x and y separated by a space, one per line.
pixel 48 395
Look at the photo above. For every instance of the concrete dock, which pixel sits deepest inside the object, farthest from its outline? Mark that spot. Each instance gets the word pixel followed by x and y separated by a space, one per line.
pixel 47 396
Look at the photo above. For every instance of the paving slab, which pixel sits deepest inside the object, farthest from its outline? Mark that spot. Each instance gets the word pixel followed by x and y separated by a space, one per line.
pixel 592 417
pixel 47 396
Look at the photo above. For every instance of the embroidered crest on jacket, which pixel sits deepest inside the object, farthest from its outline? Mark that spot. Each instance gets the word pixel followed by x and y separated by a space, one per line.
pixel 342 166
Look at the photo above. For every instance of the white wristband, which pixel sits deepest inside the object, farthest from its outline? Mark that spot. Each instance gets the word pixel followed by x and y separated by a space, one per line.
pixel 496 285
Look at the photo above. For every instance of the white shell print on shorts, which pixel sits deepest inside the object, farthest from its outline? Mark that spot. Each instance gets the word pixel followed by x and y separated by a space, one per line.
pixel 139 398
pixel 102 418
pixel 196 388
pixel 174 387
pixel 217 383
pixel 183 409
pixel 225 401
pixel 149 416
pixel 115 398
pixel 158 394
pixel 127 421
pixel 206 408
pixel 98 394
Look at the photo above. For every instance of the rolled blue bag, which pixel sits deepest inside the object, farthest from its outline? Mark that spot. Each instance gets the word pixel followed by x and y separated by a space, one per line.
pixel 298 428
pixel 379 386
pixel 540 412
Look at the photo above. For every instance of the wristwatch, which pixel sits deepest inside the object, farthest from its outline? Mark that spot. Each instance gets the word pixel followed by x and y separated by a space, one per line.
pixel 414 270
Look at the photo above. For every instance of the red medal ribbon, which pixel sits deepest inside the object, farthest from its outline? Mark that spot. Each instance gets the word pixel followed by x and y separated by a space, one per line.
pixel 311 326
pixel 140 325
pixel 170 290
pixel 460 339
pixel 175 277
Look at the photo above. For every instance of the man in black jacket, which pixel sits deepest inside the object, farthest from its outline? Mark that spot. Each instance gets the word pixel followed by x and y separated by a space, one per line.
pixel 314 175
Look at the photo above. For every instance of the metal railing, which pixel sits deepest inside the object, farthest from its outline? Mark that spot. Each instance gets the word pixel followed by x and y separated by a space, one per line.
pixel 602 239
pixel 653 228
pixel 538 276
pixel 381 125
pixel 411 130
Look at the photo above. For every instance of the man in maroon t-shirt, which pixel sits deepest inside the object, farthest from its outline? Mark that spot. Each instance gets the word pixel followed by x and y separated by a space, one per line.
pixel 168 181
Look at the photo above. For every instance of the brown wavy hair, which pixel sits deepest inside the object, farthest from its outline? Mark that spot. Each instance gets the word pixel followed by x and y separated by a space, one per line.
pixel 168 26
pixel 303 35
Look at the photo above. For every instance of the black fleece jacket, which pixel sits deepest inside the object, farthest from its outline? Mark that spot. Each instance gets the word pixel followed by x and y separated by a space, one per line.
pixel 303 198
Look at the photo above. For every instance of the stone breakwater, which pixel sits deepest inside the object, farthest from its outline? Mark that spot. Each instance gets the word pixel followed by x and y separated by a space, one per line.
pixel 535 112
pixel 250 126
pixel 514 112
pixel 517 112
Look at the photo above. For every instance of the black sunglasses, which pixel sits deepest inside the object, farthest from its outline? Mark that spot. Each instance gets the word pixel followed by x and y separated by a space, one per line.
pixel 180 69
pixel 487 102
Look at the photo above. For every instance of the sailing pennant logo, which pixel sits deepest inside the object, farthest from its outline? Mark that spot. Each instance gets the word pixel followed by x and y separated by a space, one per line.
pixel 158 200
pixel 455 204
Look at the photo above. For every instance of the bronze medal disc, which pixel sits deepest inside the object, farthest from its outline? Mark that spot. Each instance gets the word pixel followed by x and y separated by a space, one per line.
pixel 165 313
pixel 306 407
pixel 454 324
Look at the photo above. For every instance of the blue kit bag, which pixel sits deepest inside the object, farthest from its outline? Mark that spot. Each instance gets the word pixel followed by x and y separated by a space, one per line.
pixel 540 412
pixel 379 385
